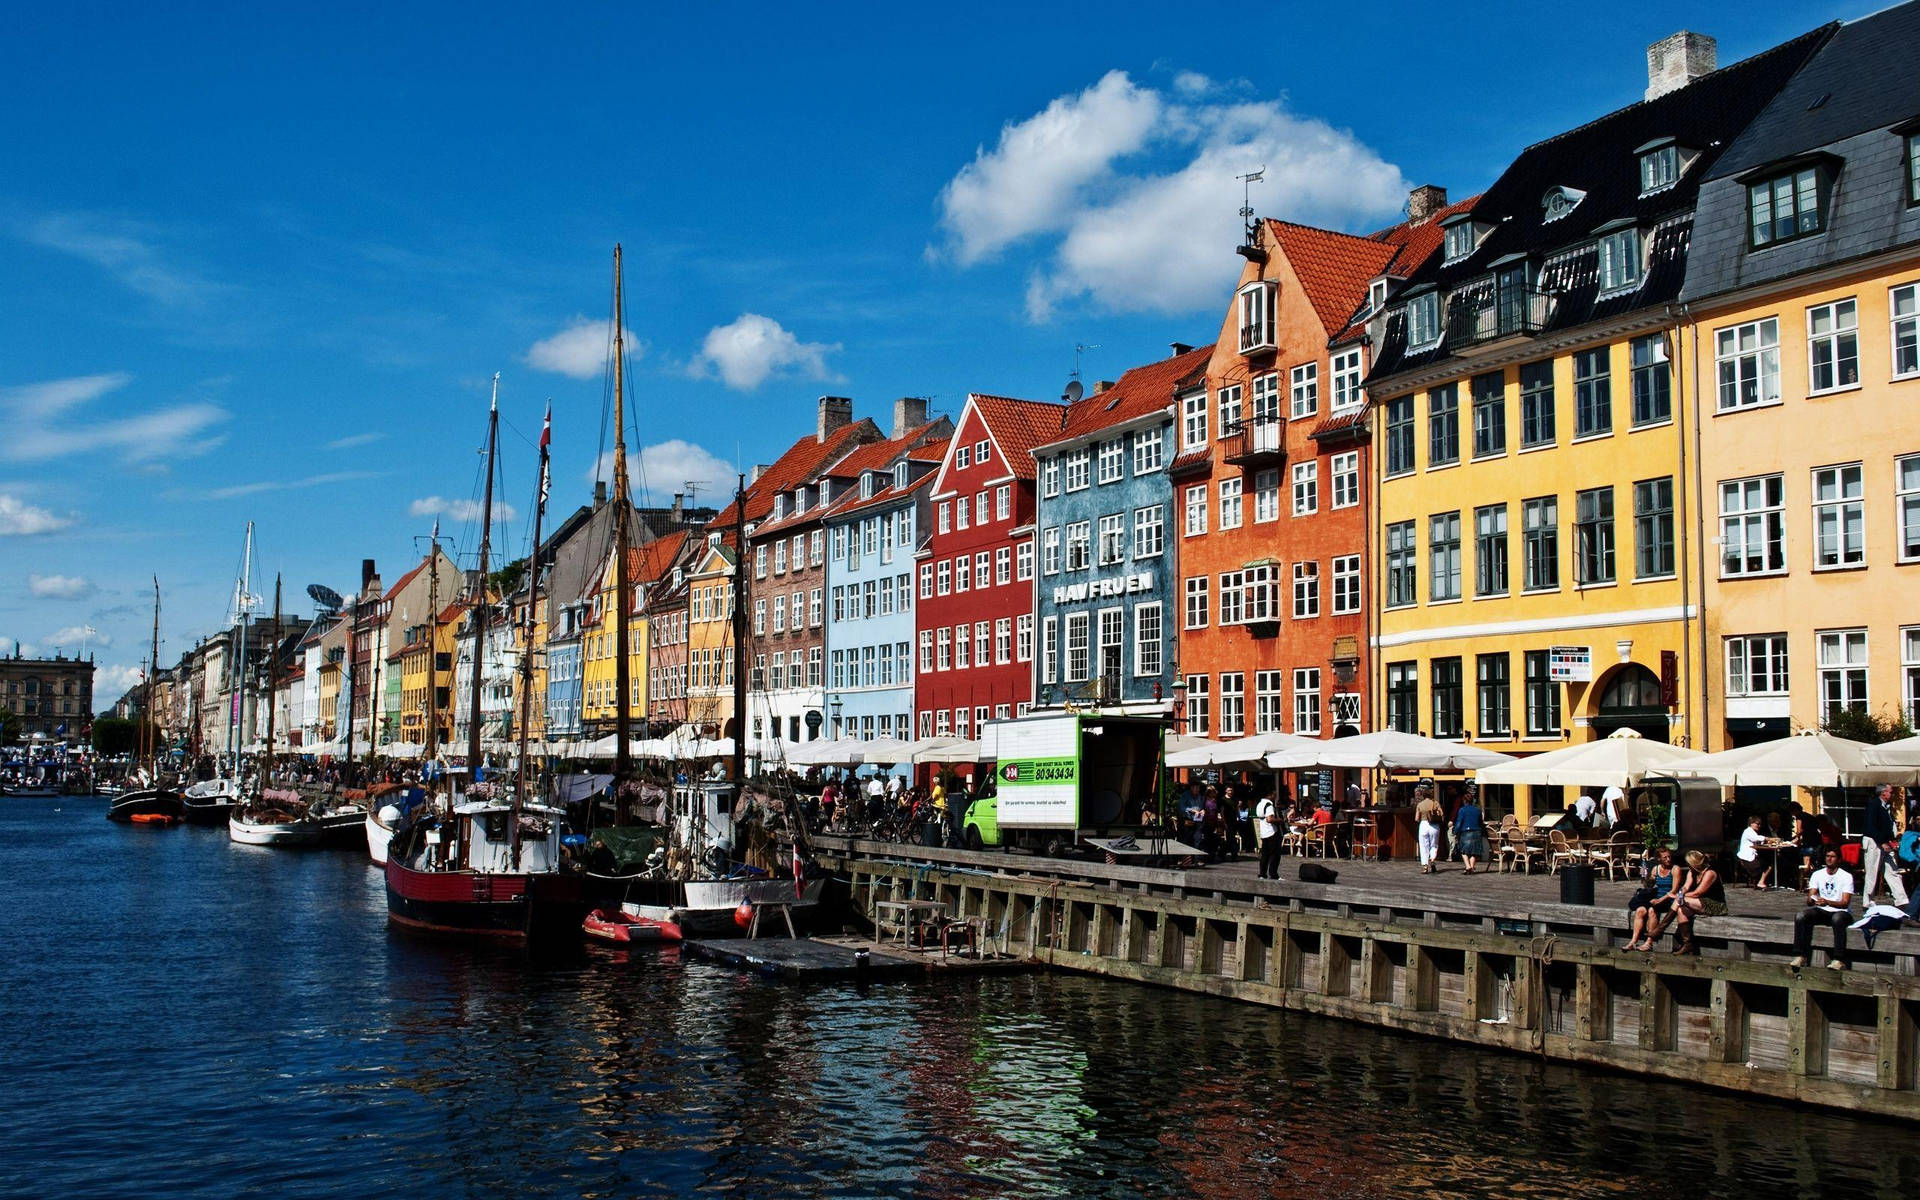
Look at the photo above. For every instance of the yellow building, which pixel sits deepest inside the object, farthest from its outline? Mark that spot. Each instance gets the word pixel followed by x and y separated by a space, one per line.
pixel 598 660
pixel 1532 519
pixel 710 644
pixel 1803 359
pixel 413 664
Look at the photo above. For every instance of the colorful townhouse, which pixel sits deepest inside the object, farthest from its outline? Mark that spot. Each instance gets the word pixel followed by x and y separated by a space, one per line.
pixel 710 642
pixel 599 665
pixel 973 617
pixel 1532 478
pixel 666 609
pixel 1270 481
pixel 425 671
pixel 1106 599
pixel 1801 352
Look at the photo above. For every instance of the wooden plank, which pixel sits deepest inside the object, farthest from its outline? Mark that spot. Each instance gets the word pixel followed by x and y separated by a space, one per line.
pixel 1896 1043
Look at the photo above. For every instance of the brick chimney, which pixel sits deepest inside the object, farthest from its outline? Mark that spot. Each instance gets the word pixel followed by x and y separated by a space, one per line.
pixel 909 412
pixel 1424 201
pixel 367 574
pixel 760 469
pixel 599 492
pixel 835 411
pixel 1674 62
pixel 678 515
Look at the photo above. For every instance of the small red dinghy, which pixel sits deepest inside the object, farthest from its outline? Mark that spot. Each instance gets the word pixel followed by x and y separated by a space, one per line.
pixel 616 928
pixel 154 818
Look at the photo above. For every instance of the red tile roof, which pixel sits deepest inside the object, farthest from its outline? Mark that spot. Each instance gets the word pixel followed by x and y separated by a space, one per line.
pixel 656 558
pixel 873 456
pixel 1019 426
pixel 852 502
pixel 1418 242
pixel 1334 268
pixel 1137 392
pixel 801 461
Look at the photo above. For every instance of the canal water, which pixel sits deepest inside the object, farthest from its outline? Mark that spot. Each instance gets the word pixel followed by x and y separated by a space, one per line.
pixel 185 1017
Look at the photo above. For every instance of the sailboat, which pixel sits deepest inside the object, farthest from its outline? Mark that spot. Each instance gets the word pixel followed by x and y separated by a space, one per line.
pixel 150 799
pixel 213 801
pixel 383 818
pixel 489 868
pixel 276 816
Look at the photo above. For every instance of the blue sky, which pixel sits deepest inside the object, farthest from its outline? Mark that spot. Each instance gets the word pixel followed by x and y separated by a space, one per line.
pixel 262 264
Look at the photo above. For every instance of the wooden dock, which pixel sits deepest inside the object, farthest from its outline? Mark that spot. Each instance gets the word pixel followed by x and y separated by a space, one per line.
pixel 839 957
pixel 1441 959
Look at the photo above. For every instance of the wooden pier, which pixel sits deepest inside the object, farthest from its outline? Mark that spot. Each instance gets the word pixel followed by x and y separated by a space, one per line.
pixel 1536 978
pixel 845 957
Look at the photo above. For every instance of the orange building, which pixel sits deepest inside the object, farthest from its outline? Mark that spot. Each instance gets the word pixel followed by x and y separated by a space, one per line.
pixel 1269 485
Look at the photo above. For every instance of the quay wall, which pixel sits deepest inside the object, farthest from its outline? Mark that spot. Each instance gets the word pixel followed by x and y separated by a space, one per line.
pixel 1547 981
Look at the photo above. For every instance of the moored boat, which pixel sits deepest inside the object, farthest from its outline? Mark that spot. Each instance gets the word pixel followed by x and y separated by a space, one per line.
pixel 499 875
pixel 210 802
pixel 140 801
pixel 615 928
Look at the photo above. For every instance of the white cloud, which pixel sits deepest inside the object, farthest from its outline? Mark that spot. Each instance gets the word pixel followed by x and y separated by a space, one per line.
pixel 354 439
pixel 20 519
pixel 73 637
pixel 111 683
pixel 60 587
pixel 1147 214
pixel 26 649
pixel 459 510
pixel 236 490
pixel 44 422
pixel 660 470
pixel 746 353
pixel 580 350
pixel 124 250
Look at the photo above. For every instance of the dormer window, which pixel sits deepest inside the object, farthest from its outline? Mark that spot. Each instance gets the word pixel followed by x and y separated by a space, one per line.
pixel 1377 294
pixel 800 499
pixel 1256 316
pixel 1621 261
pixel 899 475
pixel 1786 204
pixel 779 505
pixel 1463 237
pixel 866 485
pixel 1560 201
pixel 1423 319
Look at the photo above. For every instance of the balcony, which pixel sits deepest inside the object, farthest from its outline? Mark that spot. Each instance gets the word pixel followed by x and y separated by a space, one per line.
pixel 1257 442
pixel 1479 317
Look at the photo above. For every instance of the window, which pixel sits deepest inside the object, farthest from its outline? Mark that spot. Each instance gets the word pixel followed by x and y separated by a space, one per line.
pixel 1346 583
pixel 1913 168
pixel 1401 589
pixel 1003 502
pixel 1443 425
pixel 1256 316
pixel 1196 522
pixel 1906 482
pixel 1593 535
pixel 866 485
pixel 1785 207
pixel 1490 550
pixel 1443 556
pixel 1659 169
pixel 1149 451
pixel 982 642
pixel 1399 424
pixel 1149 530
pixel 1233 704
pixel 1023 638
pixel 1839 517
pixel 886 541
pixel 1652 380
pixel 1423 320
pixel 1757 665
pixel 962 513
pixel 1543 695
pixel 1592 393
pixel 946 576
pixel 1843 672
pixel 1345 469
pixel 1076 470
pixel 1747 358
pixel 1348 370
pixel 1446 698
pixel 926 655
pixel 1306 390
pixel 1003 566
pixel 1050 551
pixel 1306 589
pixel 982 571
pixel 1113 539
pixel 1230 503
pixel 1833 346
pixel 1266 701
pixel 1193 421
pixel 759 617
pixel 1198 709
pixel 1540 538
pixel 1228 403
pixel 963 457
pixel 1197 595
pixel 1460 240
pixel 981 450
pixel 1306 488
pixel 816 543
pixel 1049 486
pixel 1266 496
pixel 1233 598
pixel 1910 671
pixel 1306 701
pixel 1536 404
pixel 962 646
pixel 1620 261
pixel 1077 660
pixel 1496 695
pixel 961 722
pixel 1403 697
pixel 1148 647
pixel 1113 460
pixel 1079 535
pixel 795 610
pixel 1903 305
pixel 926 581
pixel 1266 397
pixel 1049 649
pixel 1023 560
pixel 962 576
pixel 1653 528
pixel 1753 526
pixel 946 647
pixel 780 557
pixel 1489 414
pixel 759 562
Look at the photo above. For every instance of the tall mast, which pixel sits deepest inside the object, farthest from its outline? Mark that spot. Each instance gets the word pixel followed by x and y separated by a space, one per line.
pixel 533 601
pixel 150 736
pixel 433 645
pixel 739 615
pixel 480 599
pixel 243 601
pixel 623 587
pixel 273 683
pixel 353 636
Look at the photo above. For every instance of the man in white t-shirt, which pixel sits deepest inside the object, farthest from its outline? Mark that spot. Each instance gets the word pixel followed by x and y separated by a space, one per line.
pixel 1751 839
pixel 1829 902
pixel 1584 808
pixel 1266 824
pixel 1613 800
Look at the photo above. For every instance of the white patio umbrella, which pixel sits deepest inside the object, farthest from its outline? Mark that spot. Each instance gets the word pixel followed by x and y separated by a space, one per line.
pixel 1387 748
pixel 1903 753
pixel 402 750
pixel 948 750
pixel 1621 759
pixel 1239 751
pixel 1806 759
pixel 891 751
pixel 1176 742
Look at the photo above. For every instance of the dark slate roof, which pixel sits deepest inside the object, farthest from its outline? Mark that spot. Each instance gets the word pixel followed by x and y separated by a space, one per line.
pixel 1600 159
pixel 1845 103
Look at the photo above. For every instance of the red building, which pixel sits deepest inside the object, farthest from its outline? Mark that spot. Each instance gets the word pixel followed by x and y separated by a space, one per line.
pixel 973 622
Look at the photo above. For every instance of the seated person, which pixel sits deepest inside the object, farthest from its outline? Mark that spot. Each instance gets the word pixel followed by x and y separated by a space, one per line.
pixel 1652 906
pixel 1829 902
pixel 1752 867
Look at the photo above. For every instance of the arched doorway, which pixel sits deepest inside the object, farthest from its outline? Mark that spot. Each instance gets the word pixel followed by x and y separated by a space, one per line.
pixel 1632 699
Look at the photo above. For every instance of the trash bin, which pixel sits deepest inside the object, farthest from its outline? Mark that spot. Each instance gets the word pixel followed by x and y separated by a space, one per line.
pixel 1576 884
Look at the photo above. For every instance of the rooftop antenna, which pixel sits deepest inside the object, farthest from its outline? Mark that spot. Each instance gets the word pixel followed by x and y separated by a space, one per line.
pixel 1251 247
pixel 1075 389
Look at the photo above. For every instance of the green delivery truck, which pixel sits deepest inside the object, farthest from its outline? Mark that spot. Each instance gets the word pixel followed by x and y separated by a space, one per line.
pixel 1061 777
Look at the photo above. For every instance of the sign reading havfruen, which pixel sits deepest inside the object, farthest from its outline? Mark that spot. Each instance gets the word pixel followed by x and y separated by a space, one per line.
pixel 1570 664
pixel 1101 589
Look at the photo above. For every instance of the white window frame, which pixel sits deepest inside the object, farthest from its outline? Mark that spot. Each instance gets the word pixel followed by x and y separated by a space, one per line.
pixel 1023 560
pixel 1233 704
pixel 1906 507
pixel 1079 537
pixel 1304 390
pixel 1112 461
pixel 1345 470
pixel 1002 565
pixel 1833 346
pixel 1306 488
pixel 1346 584
pixel 1050 650
pixel 1196 511
pixel 1903 330
pixel 1839 516
pixel 1199 595
pixel 1910 671
pixel 1255 310
pixel 1266 495
pixel 1306 701
pixel 1077 469
pixel 1079 661
pixel 1621 261
pixel 1228 407
pixel 1023 637
pixel 1199 709
pixel 1269 701
pixel 1149 531
pixel 1349 368
pixel 1112 547
pixel 1149 645
pixel 1149 450
pixel 1747 365
pixel 1049 486
pixel 1839 665
pixel 1050 550
pixel 1230 502
pixel 1193 421
pixel 1306 589
pixel 1767 516
pixel 1764 655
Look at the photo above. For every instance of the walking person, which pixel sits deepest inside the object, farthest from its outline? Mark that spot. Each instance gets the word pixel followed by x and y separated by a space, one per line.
pixel 1829 902
pixel 1470 831
pixel 1431 817
pixel 1878 843
pixel 1266 823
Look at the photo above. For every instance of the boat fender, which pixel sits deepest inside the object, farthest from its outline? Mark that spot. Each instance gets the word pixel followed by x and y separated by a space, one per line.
pixel 743 916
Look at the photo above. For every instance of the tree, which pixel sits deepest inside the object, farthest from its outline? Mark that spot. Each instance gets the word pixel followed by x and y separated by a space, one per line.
pixel 9 727
pixel 1860 725
pixel 507 579
pixel 120 735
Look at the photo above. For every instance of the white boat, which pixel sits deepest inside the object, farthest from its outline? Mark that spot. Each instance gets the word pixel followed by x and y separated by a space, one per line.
pixel 380 823
pixel 248 830
pixel 706 903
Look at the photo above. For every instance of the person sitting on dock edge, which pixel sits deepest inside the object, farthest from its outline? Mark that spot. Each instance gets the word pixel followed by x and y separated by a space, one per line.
pixel 1829 902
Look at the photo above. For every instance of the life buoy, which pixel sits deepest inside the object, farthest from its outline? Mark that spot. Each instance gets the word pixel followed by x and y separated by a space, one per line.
pixel 743 916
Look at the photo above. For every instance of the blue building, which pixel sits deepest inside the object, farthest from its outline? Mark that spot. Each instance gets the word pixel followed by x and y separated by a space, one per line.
pixel 1105 594
pixel 872 536
pixel 564 670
